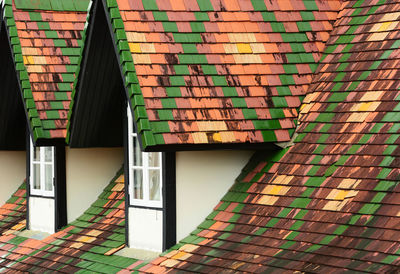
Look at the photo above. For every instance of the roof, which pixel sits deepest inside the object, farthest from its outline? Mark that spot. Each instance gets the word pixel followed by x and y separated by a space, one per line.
pixel 218 72
pixel 46 43
pixel 87 244
pixel 13 212
pixel 331 202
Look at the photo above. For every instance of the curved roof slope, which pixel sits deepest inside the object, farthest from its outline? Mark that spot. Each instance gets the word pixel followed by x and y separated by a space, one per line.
pixel 86 245
pixel 46 41
pixel 331 203
pixel 13 212
pixel 212 71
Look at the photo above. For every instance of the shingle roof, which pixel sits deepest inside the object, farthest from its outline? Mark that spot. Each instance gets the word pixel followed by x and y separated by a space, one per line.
pixel 46 41
pixel 212 72
pixel 328 203
pixel 87 244
pixel 13 212
pixel 331 202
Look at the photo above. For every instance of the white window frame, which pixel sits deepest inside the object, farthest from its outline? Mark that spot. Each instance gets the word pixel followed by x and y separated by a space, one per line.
pixel 42 163
pixel 145 202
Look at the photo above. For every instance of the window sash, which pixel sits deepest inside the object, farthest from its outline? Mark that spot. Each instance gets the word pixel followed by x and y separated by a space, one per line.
pixel 145 168
pixel 42 163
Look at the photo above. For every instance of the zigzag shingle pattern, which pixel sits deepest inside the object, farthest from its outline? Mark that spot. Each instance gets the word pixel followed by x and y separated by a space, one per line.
pixel 13 212
pixel 46 46
pixel 87 244
pixel 330 203
pixel 213 71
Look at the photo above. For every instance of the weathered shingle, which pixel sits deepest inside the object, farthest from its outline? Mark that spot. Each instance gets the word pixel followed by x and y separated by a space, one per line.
pixel 87 244
pixel 13 212
pixel 46 40
pixel 330 203
pixel 219 72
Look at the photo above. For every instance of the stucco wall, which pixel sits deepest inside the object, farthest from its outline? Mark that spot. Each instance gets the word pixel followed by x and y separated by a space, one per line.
pixel 12 172
pixel 89 171
pixel 202 179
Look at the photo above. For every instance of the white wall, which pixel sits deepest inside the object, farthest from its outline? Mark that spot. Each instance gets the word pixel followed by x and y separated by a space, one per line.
pixel 89 171
pixel 202 179
pixel 42 214
pixel 145 229
pixel 12 173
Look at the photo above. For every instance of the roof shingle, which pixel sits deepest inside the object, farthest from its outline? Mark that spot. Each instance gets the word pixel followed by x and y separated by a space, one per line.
pixel 46 42
pixel 330 203
pixel 212 72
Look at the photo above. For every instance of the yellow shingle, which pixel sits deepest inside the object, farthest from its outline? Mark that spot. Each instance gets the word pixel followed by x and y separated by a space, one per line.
pixel 275 190
pixel 135 47
pixel 244 48
pixel 387 26
pixel 217 137
pixel 341 194
pixel 28 60
pixel 121 179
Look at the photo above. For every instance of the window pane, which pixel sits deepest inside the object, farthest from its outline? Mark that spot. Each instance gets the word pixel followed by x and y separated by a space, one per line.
pixel 36 176
pixel 154 159
pixel 36 153
pixel 138 184
pixel 154 187
pixel 137 153
pixel 48 154
pixel 48 169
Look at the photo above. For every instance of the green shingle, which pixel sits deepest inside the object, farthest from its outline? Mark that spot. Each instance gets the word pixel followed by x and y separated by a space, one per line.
pixel 170 26
pixel 150 4
pixel 205 5
pixel 160 16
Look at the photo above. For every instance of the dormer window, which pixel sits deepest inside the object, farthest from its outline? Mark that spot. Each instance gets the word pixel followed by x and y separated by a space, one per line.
pixel 151 210
pixel 42 171
pixel 145 173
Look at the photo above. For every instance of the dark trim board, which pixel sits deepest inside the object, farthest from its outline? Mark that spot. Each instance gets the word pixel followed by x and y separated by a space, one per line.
pixel 28 174
pixel 126 178
pixel 60 188
pixel 43 197
pixel 169 200
pixel 147 207
pixel 57 142
pixel 203 147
